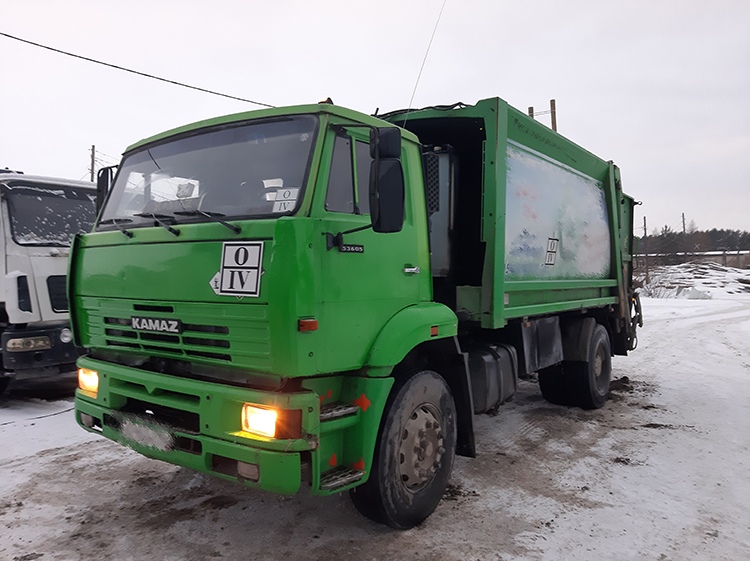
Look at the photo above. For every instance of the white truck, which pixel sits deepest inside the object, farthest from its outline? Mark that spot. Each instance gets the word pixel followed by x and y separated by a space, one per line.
pixel 38 218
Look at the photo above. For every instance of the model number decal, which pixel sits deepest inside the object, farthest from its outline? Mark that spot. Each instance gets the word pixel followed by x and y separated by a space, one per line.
pixel 351 248
pixel 156 324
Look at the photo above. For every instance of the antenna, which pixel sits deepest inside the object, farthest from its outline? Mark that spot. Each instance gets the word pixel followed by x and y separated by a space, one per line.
pixel 424 60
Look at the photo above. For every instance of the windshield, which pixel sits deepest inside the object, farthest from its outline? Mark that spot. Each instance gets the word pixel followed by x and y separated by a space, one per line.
pixel 250 170
pixel 48 214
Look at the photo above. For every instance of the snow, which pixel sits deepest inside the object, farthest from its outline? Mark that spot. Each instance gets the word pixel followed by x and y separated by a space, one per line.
pixel 661 472
pixel 695 281
pixel 46 191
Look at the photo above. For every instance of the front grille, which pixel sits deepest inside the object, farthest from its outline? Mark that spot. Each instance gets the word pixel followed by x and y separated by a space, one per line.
pixel 183 343
pixel 236 334
pixel 153 308
pixel 58 296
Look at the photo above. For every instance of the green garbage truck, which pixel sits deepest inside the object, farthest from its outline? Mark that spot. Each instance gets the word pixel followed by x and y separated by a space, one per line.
pixel 314 298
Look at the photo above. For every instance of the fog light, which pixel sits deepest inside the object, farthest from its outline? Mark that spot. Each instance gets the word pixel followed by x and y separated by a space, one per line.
pixel 66 335
pixel 248 471
pixel 88 380
pixel 28 344
pixel 259 420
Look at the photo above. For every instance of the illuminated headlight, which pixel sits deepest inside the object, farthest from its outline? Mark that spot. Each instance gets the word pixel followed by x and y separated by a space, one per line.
pixel 88 380
pixel 259 420
pixel 28 344
pixel 66 335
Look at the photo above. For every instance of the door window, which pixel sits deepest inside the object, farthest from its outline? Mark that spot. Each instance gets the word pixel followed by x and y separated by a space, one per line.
pixel 364 163
pixel 349 179
pixel 340 192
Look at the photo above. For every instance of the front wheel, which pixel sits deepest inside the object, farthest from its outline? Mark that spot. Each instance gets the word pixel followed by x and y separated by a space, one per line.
pixel 4 383
pixel 414 454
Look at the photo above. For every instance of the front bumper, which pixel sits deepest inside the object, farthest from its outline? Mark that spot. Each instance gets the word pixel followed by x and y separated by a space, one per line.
pixel 39 360
pixel 196 424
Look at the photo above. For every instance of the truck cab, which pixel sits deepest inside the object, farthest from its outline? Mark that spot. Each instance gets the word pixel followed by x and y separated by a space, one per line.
pixel 38 218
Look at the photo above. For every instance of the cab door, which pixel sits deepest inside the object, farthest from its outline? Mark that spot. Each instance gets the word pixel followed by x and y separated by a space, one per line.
pixel 367 277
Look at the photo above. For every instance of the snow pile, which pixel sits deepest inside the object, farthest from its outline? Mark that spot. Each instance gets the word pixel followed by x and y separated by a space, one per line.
pixel 694 281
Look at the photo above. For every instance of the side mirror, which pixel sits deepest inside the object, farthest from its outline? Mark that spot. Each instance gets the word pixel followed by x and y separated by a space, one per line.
pixel 387 195
pixel 103 183
pixel 386 180
pixel 385 142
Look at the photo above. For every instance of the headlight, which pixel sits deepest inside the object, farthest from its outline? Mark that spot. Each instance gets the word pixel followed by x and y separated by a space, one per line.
pixel 88 380
pixel 28 344
pixel 66 335
pixel 259 420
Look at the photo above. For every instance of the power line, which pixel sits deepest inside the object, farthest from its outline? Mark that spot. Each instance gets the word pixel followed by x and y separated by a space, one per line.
pixel 424 60
pixel 132 71
pixel 107 156
pixel 99 157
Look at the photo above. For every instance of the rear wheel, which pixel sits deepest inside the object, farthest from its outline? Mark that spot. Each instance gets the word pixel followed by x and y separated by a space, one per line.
pixel 553 384
pixel 414 455
pixel 589 381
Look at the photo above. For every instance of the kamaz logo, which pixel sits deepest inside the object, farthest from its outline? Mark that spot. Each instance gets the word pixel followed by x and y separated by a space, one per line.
pixel 155 324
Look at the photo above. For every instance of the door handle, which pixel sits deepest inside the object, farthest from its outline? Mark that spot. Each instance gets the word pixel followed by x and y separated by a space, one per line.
pixel 411 270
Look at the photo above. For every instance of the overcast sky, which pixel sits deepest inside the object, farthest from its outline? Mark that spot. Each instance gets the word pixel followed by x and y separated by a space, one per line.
pixel 662 87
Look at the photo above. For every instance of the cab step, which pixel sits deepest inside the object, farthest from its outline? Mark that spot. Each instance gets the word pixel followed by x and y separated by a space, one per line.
pixel 337 410
pixel 338 477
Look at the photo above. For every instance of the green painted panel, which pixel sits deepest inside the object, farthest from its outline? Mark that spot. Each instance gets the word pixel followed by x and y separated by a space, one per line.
pixel 578 303
pixel 545 200
pixel 409 328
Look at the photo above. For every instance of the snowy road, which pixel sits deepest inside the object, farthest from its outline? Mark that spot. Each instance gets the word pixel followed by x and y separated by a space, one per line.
pixel 660 473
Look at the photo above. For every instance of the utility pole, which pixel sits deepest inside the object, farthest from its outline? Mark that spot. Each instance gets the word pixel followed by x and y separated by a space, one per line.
pixel 93 155
pixel 553 112
pixel 645 249
pixel 686 246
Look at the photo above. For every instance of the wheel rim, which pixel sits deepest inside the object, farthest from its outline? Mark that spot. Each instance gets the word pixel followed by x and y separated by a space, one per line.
pixel 421 448
pixel 598 363
pixel 600 374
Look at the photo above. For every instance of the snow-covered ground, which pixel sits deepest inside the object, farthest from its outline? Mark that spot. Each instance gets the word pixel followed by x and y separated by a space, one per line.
pixel 662 472
pixel 695 281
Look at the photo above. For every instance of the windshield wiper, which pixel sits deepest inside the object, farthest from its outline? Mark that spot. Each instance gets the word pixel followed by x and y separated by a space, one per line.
pixel 158 220
pixel 152 159
pixel 116 222
pixel 215 216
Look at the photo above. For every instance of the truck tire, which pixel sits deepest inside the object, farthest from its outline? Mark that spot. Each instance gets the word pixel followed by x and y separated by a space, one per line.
pixel 553 385
pixel 413 456
pixel 4 383
pixel 589 381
